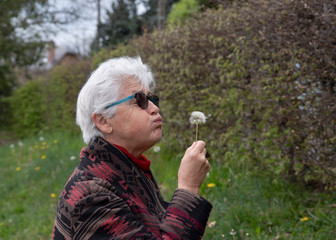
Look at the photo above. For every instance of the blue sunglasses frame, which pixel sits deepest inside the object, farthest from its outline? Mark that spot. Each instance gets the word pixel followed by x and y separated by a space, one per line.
pixel 153 98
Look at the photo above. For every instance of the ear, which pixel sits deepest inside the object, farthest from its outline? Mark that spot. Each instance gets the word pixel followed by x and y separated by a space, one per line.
pixel 101 123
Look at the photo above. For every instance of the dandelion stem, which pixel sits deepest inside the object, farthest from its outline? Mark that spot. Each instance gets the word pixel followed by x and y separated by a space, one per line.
pixel 196 130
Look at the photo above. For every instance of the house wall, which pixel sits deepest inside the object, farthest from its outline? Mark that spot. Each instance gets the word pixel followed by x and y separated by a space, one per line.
pixel 68 60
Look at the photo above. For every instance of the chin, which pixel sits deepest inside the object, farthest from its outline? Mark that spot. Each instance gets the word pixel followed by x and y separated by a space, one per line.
pixel 156 139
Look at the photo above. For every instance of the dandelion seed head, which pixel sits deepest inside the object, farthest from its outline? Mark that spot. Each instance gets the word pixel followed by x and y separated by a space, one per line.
pixel 233 232
pixel 157 149
pixel 72 158
pixel 211 224
pixel 197 117
pixel 20 144
pixel 11 146
pixel 41 139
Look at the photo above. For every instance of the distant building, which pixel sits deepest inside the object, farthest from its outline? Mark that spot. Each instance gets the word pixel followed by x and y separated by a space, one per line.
pixel 63 55
pixel 51 56
pixel 54 56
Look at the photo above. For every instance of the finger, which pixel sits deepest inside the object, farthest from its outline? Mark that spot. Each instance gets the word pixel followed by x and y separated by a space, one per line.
pixel 200 145
pixel 207 166
pixel 193 144
pixel 191 147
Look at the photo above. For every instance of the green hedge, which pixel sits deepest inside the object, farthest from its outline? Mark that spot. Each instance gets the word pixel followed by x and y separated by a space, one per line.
pixel 47 103
pixel 27 108
pixel 62 88
pixel 264 72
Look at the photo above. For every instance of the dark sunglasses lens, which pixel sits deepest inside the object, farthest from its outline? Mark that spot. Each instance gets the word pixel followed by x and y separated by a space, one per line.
pixel 154 99
pixel 142 100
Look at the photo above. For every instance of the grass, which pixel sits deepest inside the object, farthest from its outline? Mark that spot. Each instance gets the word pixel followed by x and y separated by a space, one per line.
pixel 33 173
pixel 249 205
pixel 246 205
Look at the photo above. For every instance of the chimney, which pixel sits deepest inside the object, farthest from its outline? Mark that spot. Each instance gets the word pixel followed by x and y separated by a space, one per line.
pixel 51 49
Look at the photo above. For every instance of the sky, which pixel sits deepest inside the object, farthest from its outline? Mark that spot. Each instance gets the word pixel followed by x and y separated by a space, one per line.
pixel 79 34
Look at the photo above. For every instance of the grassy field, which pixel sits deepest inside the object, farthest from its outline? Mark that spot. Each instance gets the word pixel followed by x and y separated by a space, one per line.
pixel 247 205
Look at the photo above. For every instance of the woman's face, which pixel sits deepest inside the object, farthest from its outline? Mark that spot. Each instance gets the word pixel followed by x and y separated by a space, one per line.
pixel 134 128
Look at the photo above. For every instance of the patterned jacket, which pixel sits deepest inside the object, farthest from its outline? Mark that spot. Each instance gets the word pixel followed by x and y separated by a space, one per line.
pixel 110 197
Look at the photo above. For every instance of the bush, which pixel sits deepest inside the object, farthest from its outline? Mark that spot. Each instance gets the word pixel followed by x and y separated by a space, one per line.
pixel 62 88
pixel 47 103
pixel 264 73
pixel 27 109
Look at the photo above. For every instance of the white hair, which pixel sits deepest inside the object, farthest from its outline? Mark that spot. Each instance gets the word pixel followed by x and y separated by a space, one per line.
pixel 104 87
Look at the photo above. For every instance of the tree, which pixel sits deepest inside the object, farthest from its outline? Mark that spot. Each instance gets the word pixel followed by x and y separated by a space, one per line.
pixel 182 10
pixel 123 21
pixel 121 24
pixel 14 50
pixel 149 17
pixel 23 27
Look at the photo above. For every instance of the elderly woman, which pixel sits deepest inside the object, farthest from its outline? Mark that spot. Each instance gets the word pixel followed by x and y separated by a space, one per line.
pixel 112 193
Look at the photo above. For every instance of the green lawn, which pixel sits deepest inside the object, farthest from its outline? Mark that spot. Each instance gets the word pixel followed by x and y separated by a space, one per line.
pixel 246 205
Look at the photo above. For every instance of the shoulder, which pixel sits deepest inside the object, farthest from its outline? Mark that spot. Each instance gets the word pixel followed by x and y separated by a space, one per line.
pixel 82 202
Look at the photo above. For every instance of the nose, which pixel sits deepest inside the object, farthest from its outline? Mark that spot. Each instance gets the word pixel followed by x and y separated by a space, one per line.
pixel 152 109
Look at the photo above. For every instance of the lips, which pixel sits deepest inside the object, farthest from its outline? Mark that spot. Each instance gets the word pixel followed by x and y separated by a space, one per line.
pixel 158 120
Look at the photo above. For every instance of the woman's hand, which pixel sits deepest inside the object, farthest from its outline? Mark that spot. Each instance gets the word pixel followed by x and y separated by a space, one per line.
pixel 194 167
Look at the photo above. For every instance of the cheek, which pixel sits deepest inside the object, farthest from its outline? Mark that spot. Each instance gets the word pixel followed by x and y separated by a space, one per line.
pixel 138 126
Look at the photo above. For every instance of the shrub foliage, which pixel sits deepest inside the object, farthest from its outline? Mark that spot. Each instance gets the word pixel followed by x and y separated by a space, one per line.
pixel 264 73
pixel 47 103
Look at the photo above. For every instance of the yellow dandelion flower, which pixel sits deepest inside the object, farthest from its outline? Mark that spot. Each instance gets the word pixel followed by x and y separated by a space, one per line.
pixel 304 219
pixel 55 141
pixel 53 195
pixel 43 156
pixel 37 168
pixel 211 185
pixel 36 146
pixel 44 143
pixel 18 169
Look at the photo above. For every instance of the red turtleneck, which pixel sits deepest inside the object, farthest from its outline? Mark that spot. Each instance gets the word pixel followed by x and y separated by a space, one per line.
pixel 142 162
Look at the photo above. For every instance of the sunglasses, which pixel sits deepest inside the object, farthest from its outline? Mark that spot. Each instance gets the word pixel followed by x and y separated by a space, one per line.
pixel 141 99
